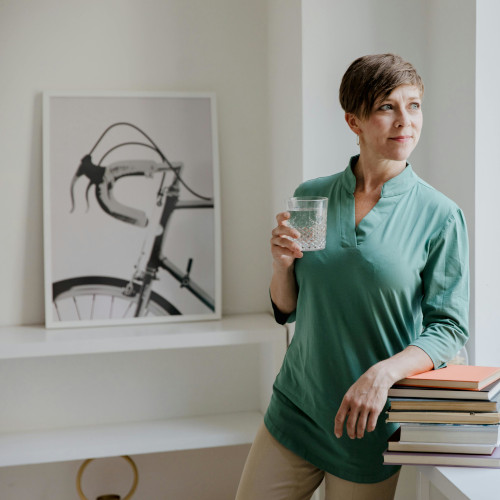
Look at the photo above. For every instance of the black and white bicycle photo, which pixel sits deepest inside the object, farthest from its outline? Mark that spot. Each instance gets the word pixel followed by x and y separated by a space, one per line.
pixel 131 209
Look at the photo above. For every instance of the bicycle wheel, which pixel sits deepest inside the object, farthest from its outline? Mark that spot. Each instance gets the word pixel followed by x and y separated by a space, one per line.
pixel 102 297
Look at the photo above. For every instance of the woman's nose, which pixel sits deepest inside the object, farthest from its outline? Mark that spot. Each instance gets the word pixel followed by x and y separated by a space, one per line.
pixel 402 119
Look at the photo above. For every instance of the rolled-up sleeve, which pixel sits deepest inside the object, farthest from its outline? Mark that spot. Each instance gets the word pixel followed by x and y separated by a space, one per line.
pixel 445 302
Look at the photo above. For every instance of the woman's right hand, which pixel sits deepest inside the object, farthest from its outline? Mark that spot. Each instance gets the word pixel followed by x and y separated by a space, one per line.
pixel 284 248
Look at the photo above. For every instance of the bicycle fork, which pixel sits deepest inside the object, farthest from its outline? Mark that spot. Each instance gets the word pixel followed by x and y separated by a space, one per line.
pixel 145 293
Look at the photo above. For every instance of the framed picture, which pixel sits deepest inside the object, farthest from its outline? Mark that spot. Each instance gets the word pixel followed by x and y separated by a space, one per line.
pixel 131 208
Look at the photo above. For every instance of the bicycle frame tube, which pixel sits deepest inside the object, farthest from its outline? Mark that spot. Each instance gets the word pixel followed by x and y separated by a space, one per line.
pixel 186 282
pixel 156 260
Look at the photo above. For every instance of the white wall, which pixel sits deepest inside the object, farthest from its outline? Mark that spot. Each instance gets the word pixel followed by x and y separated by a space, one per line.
pixel 448 134
pixel 487 179
pixel 449 139
pixel 285 99
pixel 180 45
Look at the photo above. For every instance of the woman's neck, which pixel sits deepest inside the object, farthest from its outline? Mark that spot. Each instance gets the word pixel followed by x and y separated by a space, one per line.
pixel 372 175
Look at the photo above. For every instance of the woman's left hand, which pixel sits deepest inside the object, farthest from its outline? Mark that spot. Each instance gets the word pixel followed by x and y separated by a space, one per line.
pixel 363 403
pixel 366 398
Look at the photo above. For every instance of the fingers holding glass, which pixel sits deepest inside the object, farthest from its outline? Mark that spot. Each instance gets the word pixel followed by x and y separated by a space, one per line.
pixel 284 239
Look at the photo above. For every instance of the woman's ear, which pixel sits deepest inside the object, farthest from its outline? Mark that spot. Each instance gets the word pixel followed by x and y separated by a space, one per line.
pixel 353 122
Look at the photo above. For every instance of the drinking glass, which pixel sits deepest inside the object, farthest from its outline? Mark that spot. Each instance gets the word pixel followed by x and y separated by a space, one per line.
pixel 308 217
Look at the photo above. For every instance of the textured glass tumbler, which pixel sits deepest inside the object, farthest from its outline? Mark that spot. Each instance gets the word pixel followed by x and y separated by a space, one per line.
pixel 308 217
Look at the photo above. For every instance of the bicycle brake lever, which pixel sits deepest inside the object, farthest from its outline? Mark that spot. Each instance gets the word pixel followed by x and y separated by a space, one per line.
pixel 93 172
pixel 87 195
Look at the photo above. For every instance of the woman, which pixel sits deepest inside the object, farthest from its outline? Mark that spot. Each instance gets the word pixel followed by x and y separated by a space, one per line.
pixel 386 299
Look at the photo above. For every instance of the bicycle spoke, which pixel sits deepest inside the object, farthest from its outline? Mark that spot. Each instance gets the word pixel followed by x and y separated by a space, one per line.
pixel 111 308
pixel 130 304
pixel 92 308
pixel 57 311
pixel 77 310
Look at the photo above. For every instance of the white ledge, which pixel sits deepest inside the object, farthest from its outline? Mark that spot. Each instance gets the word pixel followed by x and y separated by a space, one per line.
pixel 37 341
pixel 79 443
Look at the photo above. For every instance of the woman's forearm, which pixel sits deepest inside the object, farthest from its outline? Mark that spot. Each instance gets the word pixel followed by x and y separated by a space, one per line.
pixel 284 289
pixel 409 361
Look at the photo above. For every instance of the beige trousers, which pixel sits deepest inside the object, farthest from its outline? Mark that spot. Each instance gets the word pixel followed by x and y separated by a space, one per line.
pixel 272 472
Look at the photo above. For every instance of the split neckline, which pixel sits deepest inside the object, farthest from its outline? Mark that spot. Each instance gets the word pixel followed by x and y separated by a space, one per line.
pixel 392 190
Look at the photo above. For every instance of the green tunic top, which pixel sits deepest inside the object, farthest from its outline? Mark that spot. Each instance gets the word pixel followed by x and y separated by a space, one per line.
pixel 399 278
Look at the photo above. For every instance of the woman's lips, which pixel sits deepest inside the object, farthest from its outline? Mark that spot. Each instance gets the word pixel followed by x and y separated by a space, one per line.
pixel 401 138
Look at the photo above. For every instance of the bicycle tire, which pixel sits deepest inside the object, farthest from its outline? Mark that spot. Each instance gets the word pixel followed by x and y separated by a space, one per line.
pixel 73 295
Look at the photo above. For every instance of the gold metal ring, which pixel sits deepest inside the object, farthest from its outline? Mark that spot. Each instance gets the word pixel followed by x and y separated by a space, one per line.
pixel 84 466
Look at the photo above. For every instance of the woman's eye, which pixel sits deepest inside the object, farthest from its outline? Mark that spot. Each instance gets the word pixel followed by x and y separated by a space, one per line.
pixel 415 105
pixel 386 107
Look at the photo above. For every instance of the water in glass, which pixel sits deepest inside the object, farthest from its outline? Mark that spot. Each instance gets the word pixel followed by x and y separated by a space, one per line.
pixel 308 217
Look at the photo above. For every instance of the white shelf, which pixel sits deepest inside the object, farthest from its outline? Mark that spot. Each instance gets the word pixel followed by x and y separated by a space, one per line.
pixel 464 483
pixel 37 341
pixel 74 439
pixel 80 443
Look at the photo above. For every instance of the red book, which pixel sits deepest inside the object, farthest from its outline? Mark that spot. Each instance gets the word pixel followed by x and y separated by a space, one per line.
pixel 467 377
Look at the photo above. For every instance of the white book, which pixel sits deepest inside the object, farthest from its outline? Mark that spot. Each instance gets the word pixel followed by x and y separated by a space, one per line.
pixel 395 444
pixel 471 449
pixel 453 459
pixel 450 433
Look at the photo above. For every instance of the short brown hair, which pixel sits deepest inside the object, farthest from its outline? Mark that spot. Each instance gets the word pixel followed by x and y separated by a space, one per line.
pixel 372 78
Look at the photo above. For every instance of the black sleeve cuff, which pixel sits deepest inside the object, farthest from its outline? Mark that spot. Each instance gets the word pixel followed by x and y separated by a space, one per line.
pixel 280 317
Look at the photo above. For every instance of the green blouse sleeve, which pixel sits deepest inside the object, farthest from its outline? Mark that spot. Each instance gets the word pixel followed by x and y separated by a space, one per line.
pixel 445 287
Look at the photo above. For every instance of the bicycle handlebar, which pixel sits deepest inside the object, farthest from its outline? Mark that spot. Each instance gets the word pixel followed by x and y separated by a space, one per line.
pixel 104 179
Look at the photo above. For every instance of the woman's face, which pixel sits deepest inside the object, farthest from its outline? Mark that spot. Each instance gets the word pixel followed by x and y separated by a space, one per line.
pixel 392 130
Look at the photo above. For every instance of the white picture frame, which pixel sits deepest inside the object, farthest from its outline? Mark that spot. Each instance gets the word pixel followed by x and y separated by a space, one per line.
pixel 123 259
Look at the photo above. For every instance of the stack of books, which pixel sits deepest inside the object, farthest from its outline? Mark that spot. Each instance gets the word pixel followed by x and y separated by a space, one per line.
pixel 448 416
